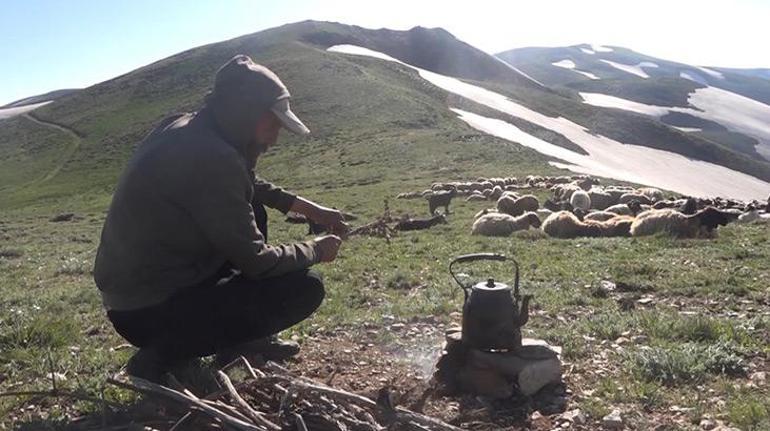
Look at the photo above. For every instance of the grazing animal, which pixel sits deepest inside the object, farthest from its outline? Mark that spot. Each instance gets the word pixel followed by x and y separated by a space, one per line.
pixel 600 216
pixel 475 197
pixel 483 212
pixel 516 207
pixel 420 223
pixel 499 224
pixel 580 200
pixel 600 199
pixel 674 223
pixel 653 194
pixel 628 197
pixel 440 199
pixel 566 225
pixel 497 191
pixel 749 216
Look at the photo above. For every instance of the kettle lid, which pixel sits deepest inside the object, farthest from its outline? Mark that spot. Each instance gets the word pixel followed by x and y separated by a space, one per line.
pixel 491 284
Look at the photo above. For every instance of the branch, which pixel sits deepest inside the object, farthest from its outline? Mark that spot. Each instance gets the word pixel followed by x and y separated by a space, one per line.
pixel 253 414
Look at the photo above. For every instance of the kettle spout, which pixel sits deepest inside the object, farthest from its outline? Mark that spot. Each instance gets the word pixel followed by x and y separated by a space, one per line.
pixel 524 313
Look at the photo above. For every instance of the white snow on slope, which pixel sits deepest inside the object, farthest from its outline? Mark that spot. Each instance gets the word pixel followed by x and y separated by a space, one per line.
pixel 606 157
pixel 736 112
pixel 569 64
pixel 688 129
pixel 588 51
pixel 18 110
pixel 599 48
pixel 694 76
pixel 634 69
pixel 607 101
pixel 710 72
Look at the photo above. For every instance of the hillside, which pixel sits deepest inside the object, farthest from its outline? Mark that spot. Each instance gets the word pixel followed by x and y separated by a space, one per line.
pixel 671 332
pixel 406 117
pixel 737 100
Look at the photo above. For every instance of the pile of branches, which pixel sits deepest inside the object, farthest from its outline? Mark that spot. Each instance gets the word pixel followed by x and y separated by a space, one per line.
pixel 273 399
pixel 378 228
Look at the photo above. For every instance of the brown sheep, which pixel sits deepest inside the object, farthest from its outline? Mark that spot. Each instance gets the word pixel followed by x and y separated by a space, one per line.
pixel 515 207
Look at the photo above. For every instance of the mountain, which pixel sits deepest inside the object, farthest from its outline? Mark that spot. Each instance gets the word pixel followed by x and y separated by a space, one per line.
pixel 730 107
pixel 27 104
pixel 438 109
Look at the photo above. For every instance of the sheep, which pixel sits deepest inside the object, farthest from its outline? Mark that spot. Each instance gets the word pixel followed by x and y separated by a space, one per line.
pixel 543 213
pixel 600 216
pixel 475 197
pixel 557 206
pixel 497 191
pixel 515 207
pixel 600 199
pixel 581 200
pixel 749 216
pixel 440 199
pixel 499 224
pixel 564 191
pixel 651 193
pixel 564 224
pixel 419 224
pixel 628 197
pixel 484 212
pixel 631 208
pixel 680 225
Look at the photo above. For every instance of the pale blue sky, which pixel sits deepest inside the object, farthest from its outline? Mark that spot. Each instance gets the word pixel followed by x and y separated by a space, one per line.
pixel 51 44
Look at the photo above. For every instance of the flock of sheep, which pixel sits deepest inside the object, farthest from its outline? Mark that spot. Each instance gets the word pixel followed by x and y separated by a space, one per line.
pixel 580 207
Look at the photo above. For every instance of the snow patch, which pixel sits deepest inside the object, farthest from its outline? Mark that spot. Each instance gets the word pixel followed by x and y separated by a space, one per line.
pixel 710 72
pixel 606 157
pixel 18 110
pixel 694 76
pixel 688 129
pixel 634 69
pixel 607 101
pixel 588 51
pixel 738 113
pixel 599 48
pixel 569 64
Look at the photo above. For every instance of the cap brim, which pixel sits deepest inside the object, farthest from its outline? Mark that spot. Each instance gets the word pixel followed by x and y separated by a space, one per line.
pixel 289 120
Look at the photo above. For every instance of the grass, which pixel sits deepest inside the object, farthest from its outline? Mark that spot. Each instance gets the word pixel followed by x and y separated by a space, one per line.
pixel 400 137
pixel 686 363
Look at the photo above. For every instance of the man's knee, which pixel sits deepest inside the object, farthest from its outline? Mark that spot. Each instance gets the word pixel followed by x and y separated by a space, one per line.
pixel 314 286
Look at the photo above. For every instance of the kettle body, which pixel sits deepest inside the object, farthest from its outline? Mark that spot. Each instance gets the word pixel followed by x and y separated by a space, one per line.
pixel 493 312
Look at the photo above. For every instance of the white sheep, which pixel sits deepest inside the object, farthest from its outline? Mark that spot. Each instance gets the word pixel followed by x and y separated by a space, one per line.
pixel 564 224
pixel 580 200
pixel 600 216
pixel 499 224
pixel 652 193
pixel 680 225
pixel 515 207
pixel 600 199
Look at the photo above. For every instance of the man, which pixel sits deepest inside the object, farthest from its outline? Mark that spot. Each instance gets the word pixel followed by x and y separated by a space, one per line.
pixel 183 267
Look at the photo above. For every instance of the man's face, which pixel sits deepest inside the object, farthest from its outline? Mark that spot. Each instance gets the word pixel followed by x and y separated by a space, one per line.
pixel 266 131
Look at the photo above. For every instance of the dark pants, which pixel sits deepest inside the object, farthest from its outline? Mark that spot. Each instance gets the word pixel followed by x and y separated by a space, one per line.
pixel 227 310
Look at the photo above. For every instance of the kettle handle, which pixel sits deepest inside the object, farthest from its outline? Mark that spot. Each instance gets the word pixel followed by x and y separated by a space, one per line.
pixel 484 256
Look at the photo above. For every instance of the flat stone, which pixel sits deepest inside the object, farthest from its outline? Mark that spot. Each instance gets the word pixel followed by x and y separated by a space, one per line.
pixel 537 342
pixel 575 416
pixel 535 375
pixel 613 421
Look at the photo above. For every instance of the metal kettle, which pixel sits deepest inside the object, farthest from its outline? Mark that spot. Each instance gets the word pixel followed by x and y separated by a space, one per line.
pixel 493 313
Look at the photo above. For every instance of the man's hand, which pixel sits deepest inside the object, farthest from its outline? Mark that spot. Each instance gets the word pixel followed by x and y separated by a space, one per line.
pixel 332 219
pixel 327 247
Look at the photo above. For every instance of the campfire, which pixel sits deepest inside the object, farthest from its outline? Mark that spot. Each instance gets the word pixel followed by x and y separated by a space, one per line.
pixel 487 355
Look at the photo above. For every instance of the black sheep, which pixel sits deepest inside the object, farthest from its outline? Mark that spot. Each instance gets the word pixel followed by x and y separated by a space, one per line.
pixel 420 223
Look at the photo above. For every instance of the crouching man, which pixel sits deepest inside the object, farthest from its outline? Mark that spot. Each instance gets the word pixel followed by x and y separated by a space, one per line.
pixel 183 267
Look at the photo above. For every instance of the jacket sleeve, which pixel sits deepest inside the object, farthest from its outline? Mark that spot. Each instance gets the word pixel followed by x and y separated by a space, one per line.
pixel 272 196
pixel 219 203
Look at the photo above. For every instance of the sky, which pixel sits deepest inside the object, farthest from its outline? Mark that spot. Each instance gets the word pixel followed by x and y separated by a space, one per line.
pixel 52 44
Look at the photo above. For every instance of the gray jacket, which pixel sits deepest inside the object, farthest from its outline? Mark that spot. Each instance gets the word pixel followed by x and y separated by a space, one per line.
pixel 182 206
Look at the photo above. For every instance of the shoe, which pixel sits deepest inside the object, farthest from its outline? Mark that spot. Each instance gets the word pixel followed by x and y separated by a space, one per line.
pixel 147 364
pixel 264 349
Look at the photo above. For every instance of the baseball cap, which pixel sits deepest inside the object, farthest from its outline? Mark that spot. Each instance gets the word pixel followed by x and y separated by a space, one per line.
pixel 289 120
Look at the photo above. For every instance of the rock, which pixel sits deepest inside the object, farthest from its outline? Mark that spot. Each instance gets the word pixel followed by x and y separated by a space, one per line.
pixel 759 378
pixel 540 422
pixel 621 340
pixel 63 217
pixel 535 375
pixel 535 342
pixel 613 421
pixel 574 416
pixel 707 424
pixel 397 326
pixel 484 381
